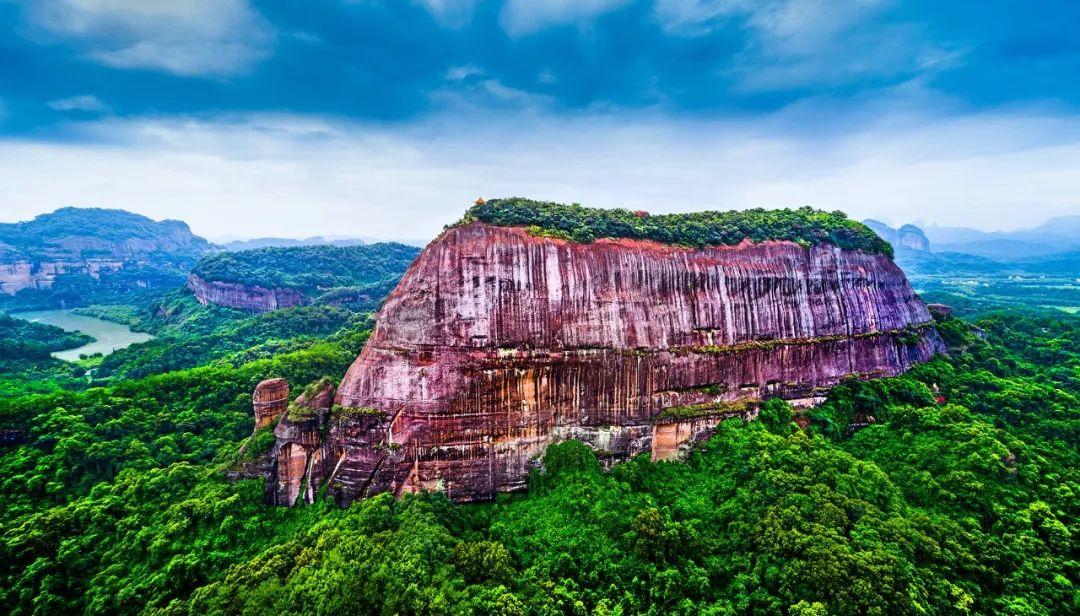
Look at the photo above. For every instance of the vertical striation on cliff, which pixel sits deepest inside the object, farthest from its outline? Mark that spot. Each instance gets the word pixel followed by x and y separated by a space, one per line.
pixel 499 341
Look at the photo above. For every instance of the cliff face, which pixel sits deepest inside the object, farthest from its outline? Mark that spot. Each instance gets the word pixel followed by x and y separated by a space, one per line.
pixel 497 343
pixel 241 297
pixel 18 275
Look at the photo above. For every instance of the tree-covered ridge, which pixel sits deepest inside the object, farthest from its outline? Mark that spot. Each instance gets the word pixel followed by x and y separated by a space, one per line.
pixel 960 497
pixel 24 341
pixel 46 233
pixel 309 267
pixel 804 225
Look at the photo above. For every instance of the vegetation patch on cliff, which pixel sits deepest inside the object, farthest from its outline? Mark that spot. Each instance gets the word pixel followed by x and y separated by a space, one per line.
pixel 708 409
pixel 352 412
pixel 806 226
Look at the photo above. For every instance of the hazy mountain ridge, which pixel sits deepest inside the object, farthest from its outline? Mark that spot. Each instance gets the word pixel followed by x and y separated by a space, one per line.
pixel 254 243
pixel 1052 246
pixel 1056 235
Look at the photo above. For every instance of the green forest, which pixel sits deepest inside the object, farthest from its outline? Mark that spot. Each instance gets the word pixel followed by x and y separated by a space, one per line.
pixel 962 498
pixel 22 340
pixel 309 267
pixel 804 225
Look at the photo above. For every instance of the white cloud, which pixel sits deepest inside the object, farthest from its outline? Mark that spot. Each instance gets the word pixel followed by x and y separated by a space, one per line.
pixel 185 37
pixel 463 72
pixel 297 176
pixel 695 17
pixel 85 102
pixel 521 17
pixel 794 43
pixel 450 13
pixel 471 89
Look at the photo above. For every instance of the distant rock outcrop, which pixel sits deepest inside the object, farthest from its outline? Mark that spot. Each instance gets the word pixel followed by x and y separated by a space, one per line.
pixel 242 297
pixel 500 340
pixel 913 238
pixel 908 236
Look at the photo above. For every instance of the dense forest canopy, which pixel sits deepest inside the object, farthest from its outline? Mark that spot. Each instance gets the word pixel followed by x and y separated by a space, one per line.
pixel 309 267
pixel 805 225
pixel 961 497
pixel 22 340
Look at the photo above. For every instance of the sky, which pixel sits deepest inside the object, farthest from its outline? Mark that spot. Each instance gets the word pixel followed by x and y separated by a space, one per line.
pixel 387 118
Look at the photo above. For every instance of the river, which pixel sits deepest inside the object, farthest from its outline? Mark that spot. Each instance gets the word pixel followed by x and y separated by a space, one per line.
pixel 109 336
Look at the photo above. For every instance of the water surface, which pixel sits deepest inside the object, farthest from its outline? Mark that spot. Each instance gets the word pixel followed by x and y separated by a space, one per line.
pixel 109 336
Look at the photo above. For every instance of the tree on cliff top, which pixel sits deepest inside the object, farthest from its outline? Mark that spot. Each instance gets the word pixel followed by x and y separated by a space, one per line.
pixel 806 225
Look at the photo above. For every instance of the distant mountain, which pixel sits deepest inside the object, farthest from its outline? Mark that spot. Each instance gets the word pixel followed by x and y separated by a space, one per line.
pixel 92 233
pixel 996 254
pixel 75 255
pixel 287 242
pixel 1012 250
pixel 1068 226
pixel 907 236
pixel 318 240
pixel 279 277
pixel 1056 235
pixel 1062 264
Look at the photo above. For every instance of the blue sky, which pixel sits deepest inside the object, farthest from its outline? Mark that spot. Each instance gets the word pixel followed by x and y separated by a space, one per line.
pixel 380 117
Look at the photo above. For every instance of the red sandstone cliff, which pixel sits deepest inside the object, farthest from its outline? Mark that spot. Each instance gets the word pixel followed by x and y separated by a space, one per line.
pixel 251 299
pixel 497 343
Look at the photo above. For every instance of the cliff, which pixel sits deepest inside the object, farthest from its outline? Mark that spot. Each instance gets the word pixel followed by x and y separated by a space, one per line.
pixel 499 341
pixel 241 297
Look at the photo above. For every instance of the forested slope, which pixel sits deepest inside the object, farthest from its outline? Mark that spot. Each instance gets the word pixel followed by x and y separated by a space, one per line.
pixel 960 497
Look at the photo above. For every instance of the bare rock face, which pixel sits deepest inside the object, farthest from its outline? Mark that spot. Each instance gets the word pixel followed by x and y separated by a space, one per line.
pixel 939 311
pixel 240 297
pixel 497 343
pixel 300 452
pixel 24 274
pixel 270 400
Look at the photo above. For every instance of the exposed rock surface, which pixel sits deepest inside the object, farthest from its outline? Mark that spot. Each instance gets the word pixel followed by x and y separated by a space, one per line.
pixel 23 274
pixel 270 400
pixel 940 311
pixel 241 297
pixel 497 343
pixel 300 452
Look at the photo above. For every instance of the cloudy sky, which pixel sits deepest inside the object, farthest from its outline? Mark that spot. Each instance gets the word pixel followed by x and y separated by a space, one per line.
pixel 388 117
